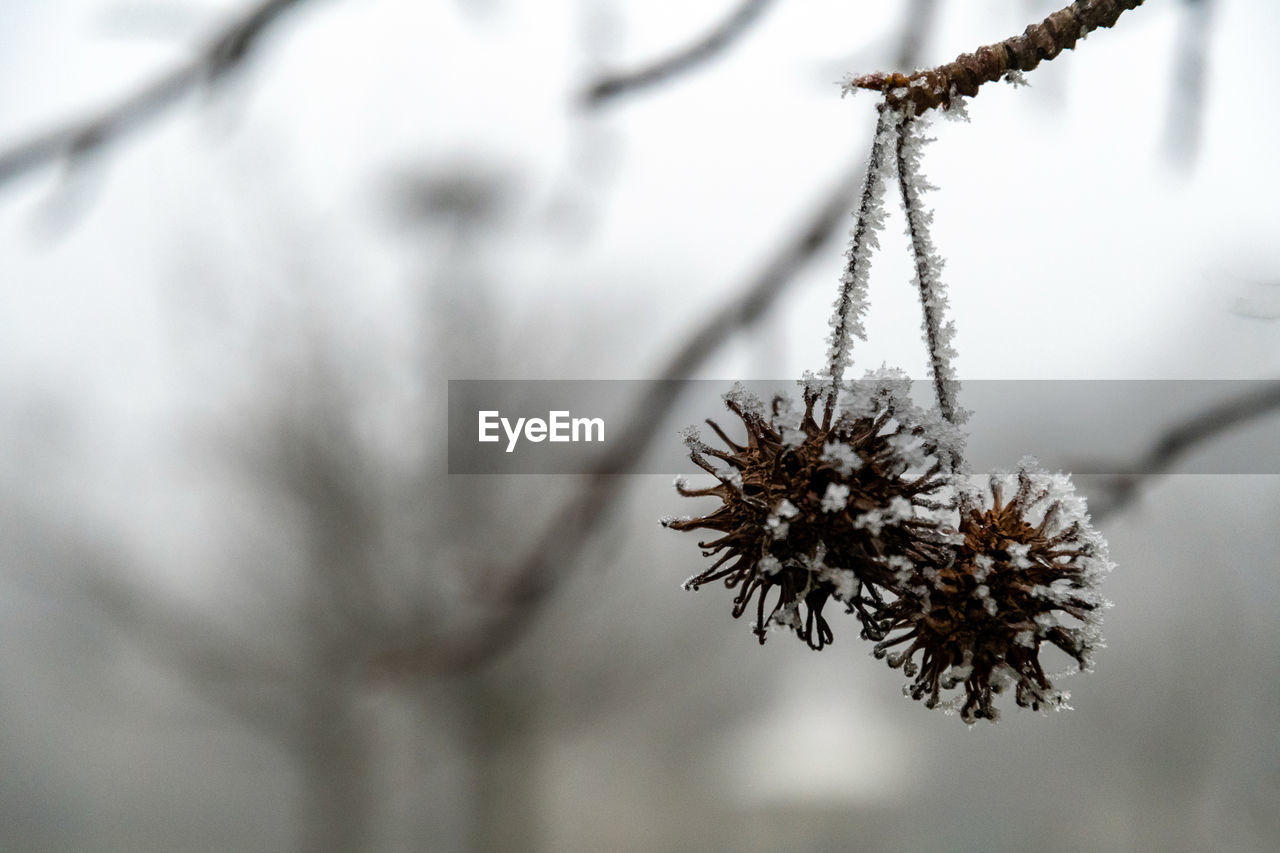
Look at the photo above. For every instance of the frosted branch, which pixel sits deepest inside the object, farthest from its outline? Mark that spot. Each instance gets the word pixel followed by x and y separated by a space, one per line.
pixel 915 94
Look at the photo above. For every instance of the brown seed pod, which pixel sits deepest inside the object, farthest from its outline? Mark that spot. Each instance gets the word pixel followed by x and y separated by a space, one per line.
pixel 817 510
pixel 1018 575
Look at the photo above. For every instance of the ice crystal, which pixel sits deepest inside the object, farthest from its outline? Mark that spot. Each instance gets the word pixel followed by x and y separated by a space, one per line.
pixel 1015 78
pixel 835 497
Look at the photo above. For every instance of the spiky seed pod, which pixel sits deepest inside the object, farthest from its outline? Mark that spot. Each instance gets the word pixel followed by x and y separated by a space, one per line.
pixel 1016 570
pixel 836 508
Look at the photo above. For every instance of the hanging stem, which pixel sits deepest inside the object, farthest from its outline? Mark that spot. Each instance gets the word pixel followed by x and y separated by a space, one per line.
pixel 938 334
pixel 851 302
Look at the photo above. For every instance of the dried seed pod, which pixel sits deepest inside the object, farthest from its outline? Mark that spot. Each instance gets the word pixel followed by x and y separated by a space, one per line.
pixel 1018 574
pixel 818 510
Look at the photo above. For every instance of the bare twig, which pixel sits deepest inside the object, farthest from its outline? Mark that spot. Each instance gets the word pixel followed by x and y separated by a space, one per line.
pixel 731 28
pixel 1182 437
pixel 936 87
pixel 226 50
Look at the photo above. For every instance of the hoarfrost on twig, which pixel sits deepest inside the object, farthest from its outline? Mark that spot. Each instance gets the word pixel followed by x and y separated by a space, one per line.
pixel 938 331
pixel 851 302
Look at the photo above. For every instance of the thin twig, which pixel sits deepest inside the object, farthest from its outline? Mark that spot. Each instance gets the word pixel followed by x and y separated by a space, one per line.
pixel 936 87
pixel 1182 437
pixel 225 50
pixel 706 48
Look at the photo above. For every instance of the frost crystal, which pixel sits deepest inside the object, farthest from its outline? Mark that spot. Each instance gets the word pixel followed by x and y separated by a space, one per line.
pixel 792 437
pixel 787 616
pixel 1015 78
pixel 1018 554
pixel 899 509
pixel 842 457
pixel 875 520
pixel 958 109
pixel 835 498
pixel 813 386
pixel 744 400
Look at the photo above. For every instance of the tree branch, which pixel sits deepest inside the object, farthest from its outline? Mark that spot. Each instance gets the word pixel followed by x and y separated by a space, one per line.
pixel 225 50
pixel 1186 110
pixel 921 91
pixel 612 85
pixel 1182 437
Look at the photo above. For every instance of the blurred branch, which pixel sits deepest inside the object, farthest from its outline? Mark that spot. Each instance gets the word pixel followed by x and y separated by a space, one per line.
pixel 515 606
pixel 706 48
pixel 421 653
pixel 226 50
pixel 1181 438
pixel 919 22
pixel 1182 132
